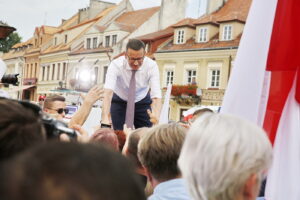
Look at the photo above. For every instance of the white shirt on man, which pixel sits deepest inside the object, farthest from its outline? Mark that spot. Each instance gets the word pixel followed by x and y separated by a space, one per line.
pixel 147 77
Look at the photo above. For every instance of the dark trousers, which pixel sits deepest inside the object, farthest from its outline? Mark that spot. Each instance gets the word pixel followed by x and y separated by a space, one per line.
pixel 118 112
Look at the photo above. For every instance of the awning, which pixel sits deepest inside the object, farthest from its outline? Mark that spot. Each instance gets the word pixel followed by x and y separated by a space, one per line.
pixel 20 88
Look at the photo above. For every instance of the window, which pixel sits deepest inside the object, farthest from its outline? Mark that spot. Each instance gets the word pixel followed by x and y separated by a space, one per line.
pixel 202 34
pixel 114 40
pixel 95 43
pixel 96 75
pixel 48 72
pixel 31 71
pixel 88 43
pixel 55 41
pixel 169 77
pixel 107 42
pixel 191 76
pixel 58 71
pixel 64 71
pixel 227 32
pixel 214 78
pixel 35 70
pixel 41 40
pixel 53 71
pixel 180 35
pixel 43 73
pixel 104 73
pixel 66 39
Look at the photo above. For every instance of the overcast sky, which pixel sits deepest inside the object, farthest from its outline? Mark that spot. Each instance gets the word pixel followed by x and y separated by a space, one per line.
pixel 25 15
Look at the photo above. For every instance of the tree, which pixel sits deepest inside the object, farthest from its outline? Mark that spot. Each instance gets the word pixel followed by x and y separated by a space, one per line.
pixel 8 42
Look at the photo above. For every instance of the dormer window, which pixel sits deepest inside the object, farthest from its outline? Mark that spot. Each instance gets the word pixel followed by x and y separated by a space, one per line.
pixel 202 34
pixel 88 43
pixel 227 32
pixel 114 40
pixel 107 41
pixel 94 43
pixel 180 36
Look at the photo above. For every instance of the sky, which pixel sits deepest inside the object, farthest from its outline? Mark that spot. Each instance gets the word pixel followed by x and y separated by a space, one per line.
pixel 25 15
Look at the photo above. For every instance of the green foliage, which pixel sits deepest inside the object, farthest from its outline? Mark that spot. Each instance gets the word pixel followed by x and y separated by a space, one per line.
pixel 8 42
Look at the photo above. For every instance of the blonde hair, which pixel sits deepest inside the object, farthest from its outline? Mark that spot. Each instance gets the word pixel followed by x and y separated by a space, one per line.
pixel 159 149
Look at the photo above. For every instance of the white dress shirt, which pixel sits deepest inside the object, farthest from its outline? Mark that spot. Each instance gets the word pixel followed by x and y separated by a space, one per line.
pixel 147 76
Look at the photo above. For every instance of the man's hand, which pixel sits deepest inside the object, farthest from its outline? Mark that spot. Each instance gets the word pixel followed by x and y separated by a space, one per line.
pixel 94 94
pixel 153 118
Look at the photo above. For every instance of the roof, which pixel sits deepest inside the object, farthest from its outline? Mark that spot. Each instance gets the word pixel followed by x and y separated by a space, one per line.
pixel 214 43
pixel 82 50
pixel 185 22
pixel 232 10
pixel 22 44
pixel 13 53
pixel 129 21
pixel 65 47
pixel 157 35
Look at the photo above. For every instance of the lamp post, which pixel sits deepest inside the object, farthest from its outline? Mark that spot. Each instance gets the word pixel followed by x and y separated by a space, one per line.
pixel 5 30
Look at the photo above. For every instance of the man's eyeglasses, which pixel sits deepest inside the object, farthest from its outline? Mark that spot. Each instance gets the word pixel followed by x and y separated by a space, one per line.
pixel 61 110
pixel 135 59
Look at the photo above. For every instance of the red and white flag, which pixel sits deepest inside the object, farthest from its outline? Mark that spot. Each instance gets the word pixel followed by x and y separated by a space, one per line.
pixel 265 87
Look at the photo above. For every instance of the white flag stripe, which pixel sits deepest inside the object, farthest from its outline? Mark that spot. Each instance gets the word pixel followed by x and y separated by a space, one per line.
pixel 284 176
pixel 164 115
pixel 246 85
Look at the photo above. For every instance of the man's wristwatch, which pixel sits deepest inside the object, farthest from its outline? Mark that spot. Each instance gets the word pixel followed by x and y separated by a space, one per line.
pixel 105 125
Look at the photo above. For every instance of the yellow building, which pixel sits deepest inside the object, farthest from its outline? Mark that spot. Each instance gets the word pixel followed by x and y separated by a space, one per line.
pixel 15 63
pixel 201 52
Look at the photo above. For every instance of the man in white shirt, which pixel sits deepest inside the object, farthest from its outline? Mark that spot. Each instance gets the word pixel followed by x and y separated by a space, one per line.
pixel 116 88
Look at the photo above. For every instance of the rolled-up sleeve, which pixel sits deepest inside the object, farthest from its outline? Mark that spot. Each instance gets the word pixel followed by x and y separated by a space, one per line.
pixel 111 76
pixel 155 82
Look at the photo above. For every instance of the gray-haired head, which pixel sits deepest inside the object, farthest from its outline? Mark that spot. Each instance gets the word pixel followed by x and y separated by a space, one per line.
pixel 220 154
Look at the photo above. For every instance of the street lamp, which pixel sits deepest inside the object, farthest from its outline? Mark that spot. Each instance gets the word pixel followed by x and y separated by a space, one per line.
pixel 5 30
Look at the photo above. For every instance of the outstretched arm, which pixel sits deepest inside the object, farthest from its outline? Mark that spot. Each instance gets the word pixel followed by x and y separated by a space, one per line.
pixel 81 115
pixel 105 119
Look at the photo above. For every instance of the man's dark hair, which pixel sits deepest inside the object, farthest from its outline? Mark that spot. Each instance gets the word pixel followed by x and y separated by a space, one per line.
pixel 135 44
pixel 20 128
pixel 49 100
pixel 70 171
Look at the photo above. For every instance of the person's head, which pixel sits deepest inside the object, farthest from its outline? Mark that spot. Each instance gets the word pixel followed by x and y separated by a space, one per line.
pixel 224 157
pixel 132 148
pixel 107 137
pixel 158 151
pixel 199 113
pixel 135 53
pixel 20 128
pixel 56 105
pixel 121 138
pixel 70 171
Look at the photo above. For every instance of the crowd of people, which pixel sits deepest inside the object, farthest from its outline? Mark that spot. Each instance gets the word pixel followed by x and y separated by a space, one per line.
pixel 129 156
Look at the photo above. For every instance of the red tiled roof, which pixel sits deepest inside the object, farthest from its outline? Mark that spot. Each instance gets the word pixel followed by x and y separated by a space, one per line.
pixel 191 44
pixel 157 35
pixel 232 10
pixel 185 22
pixel 82 50
pixel 133 19
pixel 100 28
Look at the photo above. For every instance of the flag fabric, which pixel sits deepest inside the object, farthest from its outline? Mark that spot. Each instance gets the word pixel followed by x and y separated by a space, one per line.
pixel 265 87
pixel 164 114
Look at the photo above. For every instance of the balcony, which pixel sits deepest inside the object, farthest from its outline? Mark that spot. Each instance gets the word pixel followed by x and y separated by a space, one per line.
pixel 29 81
pixel 185 95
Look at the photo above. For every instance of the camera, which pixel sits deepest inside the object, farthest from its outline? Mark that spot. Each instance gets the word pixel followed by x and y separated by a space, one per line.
pixel 10 79
pixel 54 128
